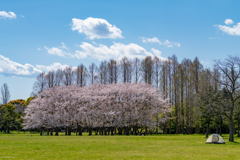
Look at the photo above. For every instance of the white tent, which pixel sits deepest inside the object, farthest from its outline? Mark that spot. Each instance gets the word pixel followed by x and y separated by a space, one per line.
pixel 215 138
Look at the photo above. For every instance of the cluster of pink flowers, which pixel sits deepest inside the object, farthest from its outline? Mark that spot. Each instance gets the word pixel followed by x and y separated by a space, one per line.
pixel 96 106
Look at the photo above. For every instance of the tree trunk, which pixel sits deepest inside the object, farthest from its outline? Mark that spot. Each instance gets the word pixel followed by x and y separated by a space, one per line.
pixel 170 127
pixel 56 131
pixel 238 125
pixel 96 132
pixel 51 132
pixel 165 127
pixel 231 131
pixel 146 131
pixel 120 131
pixel 8 130
pixel 105 131
pixel 207 131
pixel 112 129
pixel 126 131
pixel 238 129
pixel 220 129
pixel 90 131
pixel 69 131
pixel 40 131
pixel 48 131
pixel 80 131
pixel 135 130
pixel 198 129
pixel 66 131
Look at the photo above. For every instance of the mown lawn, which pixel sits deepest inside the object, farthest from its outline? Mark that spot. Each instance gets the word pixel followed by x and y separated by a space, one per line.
pixel 24 146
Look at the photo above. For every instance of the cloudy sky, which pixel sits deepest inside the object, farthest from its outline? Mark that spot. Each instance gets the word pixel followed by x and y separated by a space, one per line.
pixel 42 36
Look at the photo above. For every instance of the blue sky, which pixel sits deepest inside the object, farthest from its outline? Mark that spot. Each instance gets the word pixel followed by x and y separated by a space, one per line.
pixel 39 36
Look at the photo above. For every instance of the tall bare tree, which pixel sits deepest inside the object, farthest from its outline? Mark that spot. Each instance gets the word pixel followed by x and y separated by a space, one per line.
pixel 112 71
pixel 175 89
pixel 58 78
pixel 230 70
pixel 126 68
pixel 5 94
pixel 50 79
pixel 81 75
pixel 182 85
pixel 93 71
pixel 156 70
pixel 136 69
pixel 103 74
pixel 187 65
pixel 169 70
pixel 68 76
pixel 196 69
pixel 147 69
pixel 40 84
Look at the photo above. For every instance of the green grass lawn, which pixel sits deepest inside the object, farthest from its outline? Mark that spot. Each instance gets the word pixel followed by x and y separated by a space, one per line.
pixel 23 146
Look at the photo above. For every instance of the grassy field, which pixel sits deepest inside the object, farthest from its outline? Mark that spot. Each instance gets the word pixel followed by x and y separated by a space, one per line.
pixel 33 146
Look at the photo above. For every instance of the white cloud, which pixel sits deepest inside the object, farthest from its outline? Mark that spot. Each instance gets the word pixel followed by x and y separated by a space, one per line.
pixel 57 51
pixel 235 30
pixel 11 68
pixel 96 28
pixel 151 40
pixel 39 49
pixel 156 40
pixel 228 21
pixel 14 69
pixel 54 67
pixel 115 51
pixel 171 44
pixel 156 52
pixel 102 52
pixel 176 44
pixel 64 46
pixel 10 15
pixel 22 16
pixel 167 43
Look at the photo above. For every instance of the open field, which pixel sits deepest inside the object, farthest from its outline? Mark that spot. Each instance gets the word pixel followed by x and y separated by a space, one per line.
pixel 23 146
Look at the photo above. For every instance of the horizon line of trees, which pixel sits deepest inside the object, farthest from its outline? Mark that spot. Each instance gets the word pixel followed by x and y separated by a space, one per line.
pixel 201 99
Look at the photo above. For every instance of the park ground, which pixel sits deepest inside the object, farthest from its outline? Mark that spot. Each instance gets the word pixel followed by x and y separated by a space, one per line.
pixel 32 146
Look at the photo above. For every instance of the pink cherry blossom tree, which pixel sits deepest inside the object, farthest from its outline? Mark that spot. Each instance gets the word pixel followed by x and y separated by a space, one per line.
pixel 120 108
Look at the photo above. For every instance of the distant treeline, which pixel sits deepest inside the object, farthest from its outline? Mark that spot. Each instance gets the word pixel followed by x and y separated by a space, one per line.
pixel 201 99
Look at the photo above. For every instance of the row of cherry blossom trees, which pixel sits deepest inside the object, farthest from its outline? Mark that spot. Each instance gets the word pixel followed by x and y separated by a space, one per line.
pixel 116 108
